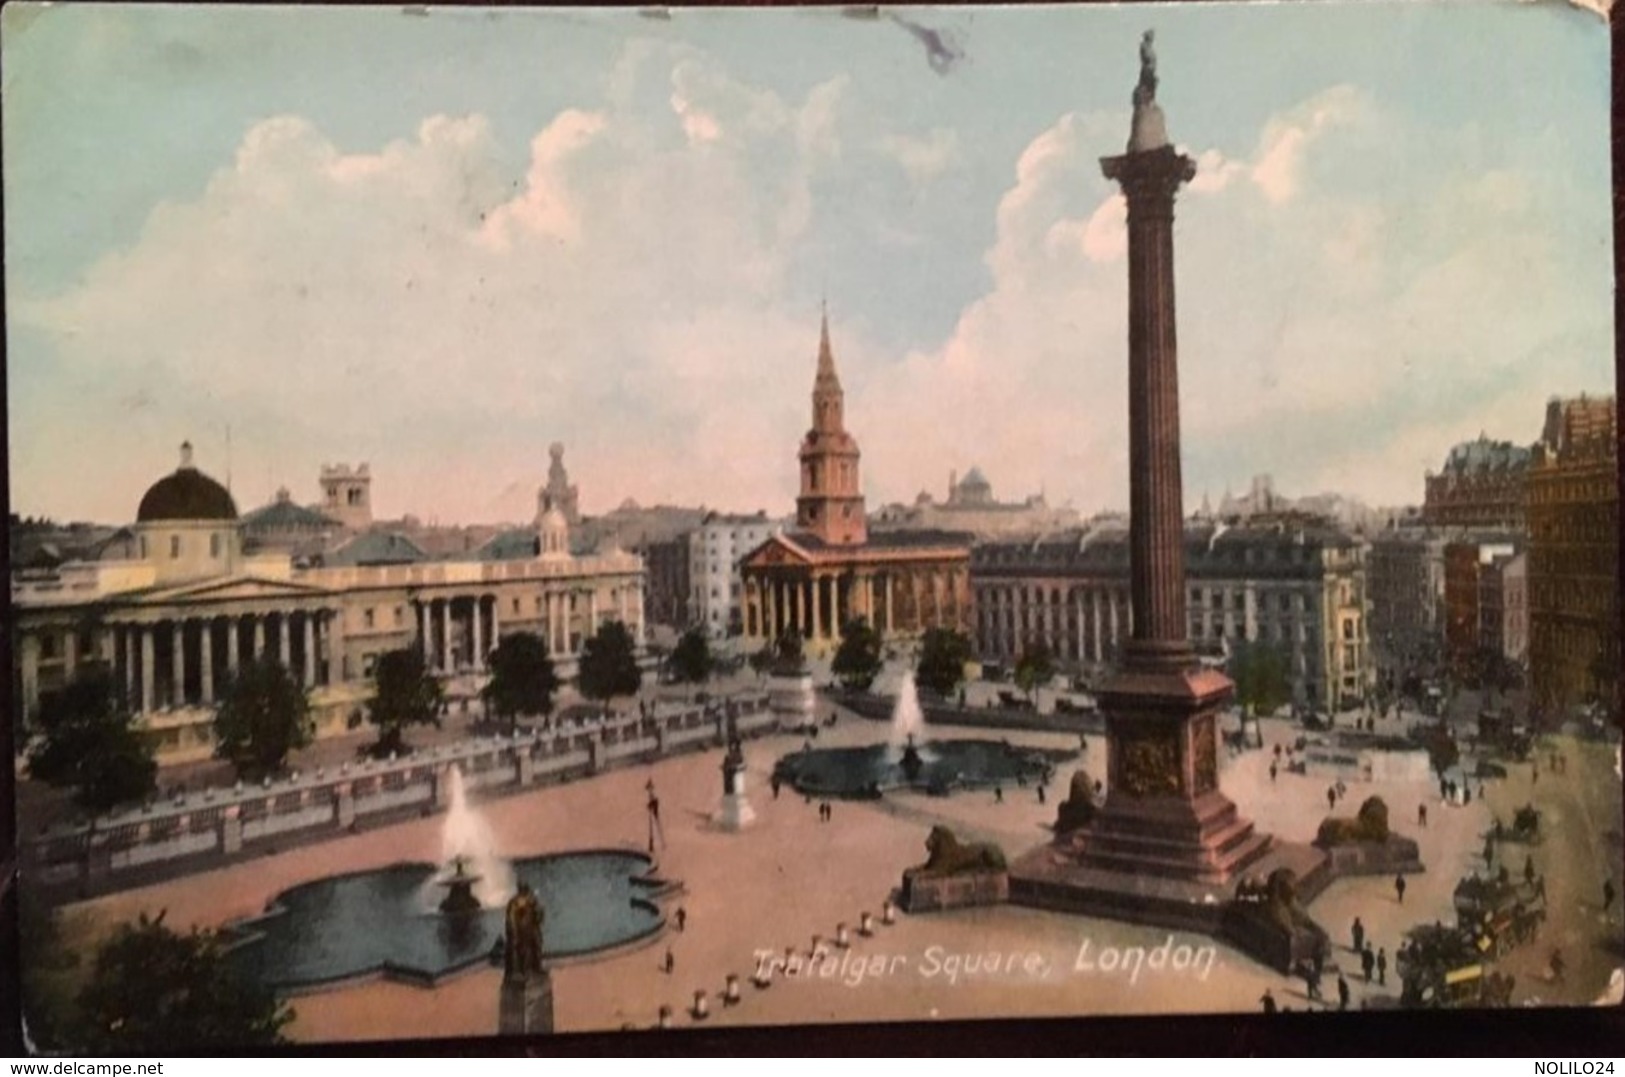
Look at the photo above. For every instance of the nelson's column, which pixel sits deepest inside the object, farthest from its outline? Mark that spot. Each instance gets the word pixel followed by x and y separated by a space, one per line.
pixel 1166 839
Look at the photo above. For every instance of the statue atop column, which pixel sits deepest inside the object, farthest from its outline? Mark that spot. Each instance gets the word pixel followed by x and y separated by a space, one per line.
pixel 1150 131
pixel 1145 92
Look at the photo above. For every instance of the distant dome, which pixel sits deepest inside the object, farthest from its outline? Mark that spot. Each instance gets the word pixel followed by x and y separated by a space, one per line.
pixel 188 494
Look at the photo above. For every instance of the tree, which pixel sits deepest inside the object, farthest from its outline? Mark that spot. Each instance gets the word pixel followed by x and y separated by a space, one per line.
pixel 404 694
pixel 857 661
pixel 154 991
pixel 789 659
pixel 943 654
pixel 1260 673
pixel 263 715
pixel 609 664
pixel 523 680
pixel 86 742
pixel 762 661
pixel 691 658
pixel 1034 668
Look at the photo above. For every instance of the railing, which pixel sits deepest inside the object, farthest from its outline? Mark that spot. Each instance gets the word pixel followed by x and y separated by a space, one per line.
pixel 326 804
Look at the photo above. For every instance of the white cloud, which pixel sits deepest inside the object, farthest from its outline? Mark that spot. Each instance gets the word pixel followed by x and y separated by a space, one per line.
pixel 925 157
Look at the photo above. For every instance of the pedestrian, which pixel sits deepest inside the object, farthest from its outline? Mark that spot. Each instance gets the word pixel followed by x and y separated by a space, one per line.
pixel 682 918
pixel 1399 888
pixel 1277 751
pixel 1331 798
pixel 1368 963
pixel 1342 992
pixel 1422 815
pixel 1272 772
pixel 1041 794
pixel 1311 982
pixel 1358 931
pixel 1534 773
pixel 775 783
pixel 1466 794
pixel 1608 894
pixel 1382 967
pixel 1268 1001
pixel 1529 870
pixel 670 963
pixel 998 794
pixel 1444 788
pixel 1540 887
pixel 1557 966
pixel 1489 851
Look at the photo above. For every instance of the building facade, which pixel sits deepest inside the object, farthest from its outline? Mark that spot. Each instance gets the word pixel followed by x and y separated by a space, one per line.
pixel 1405 571
pixel 175 622
pixel 830 569
pixel 972 509
pixel 1299 588
pixel 716 584
pixel 1482 485
pixel 1573 567
pixel 1472 600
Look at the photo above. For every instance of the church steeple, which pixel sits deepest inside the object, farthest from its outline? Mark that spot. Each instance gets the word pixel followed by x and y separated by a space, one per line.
pixel 831 501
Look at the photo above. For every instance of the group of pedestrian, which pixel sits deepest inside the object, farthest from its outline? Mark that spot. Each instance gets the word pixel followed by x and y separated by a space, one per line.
pixel 826 811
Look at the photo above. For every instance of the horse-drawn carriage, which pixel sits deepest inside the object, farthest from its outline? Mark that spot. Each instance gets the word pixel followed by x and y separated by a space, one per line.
pixel 1445 968
pixel 1499 913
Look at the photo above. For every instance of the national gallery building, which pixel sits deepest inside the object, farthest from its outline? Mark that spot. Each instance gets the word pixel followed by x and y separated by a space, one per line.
pixel 175 618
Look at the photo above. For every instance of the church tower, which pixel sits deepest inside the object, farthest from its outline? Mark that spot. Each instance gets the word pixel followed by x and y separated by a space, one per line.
pixel 831 501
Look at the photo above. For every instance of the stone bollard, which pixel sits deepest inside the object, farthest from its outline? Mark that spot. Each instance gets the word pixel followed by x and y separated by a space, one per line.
pixel 841 939
pixel 595 754
pixel 866 925
pixel 665 1017
pixel 888 913
pixel 763 976
pixel 344 805
pixel 524 766
pixel 702 1006
pixel 730 992
pixel 231 830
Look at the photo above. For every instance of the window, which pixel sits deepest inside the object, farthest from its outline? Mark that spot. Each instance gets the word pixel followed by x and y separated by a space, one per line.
pixel 366 620
pixel 516 605
pixel 214 545
pixel 174 546
pixel 143 547
pixel 400 615
pixel 368 662
pixel 47 646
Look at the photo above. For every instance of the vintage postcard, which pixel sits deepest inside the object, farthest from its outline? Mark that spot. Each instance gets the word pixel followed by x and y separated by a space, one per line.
pixel 544 521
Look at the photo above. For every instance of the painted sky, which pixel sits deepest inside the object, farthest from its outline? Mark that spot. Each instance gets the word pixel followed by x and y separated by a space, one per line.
pixel 439 241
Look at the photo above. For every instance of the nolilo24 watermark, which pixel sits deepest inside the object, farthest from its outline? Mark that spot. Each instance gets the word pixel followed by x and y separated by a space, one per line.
pixel 1572 1069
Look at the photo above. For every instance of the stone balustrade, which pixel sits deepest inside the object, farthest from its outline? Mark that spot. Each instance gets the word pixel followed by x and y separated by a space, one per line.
pixel 311 806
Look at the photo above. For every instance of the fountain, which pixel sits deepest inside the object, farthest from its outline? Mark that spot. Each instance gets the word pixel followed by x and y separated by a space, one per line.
pixel 907 720
pixel 460 899
pixel 907 761
pixel 466 841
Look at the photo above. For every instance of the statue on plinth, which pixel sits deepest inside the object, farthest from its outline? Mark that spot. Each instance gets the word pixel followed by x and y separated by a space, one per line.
pixel 527 985
pixel 1145 92
pixel 736 812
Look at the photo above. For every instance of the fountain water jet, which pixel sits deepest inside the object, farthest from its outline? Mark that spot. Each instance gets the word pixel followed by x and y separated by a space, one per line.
pixel 466 839
pixel 907 721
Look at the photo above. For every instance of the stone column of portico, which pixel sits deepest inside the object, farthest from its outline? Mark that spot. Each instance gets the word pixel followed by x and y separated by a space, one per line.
pixel 496 621
pixel 426 631
pixel 770 593
pixel 336 671
pixel 259 637
pixel 310 649
pixel 206 656
pixel 592 611
pixel 445 635
pixel 817 606
pixel 284 641
pixel 149 664
pixel 891 624
pixel 130 634
pixel 234 632
pixel 479 633
pixel 177 664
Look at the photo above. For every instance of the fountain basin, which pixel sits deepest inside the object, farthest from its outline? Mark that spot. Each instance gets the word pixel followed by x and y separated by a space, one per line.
pixel 377 923
pixel 945 766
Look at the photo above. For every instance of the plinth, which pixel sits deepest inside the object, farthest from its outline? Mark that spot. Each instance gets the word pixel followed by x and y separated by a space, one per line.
pixel 527 1004
pixel 736 813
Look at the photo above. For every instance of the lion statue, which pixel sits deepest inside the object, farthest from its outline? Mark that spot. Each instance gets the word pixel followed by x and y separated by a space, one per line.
pixel 1369 824
pixel 950 856
pixel 1078 809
